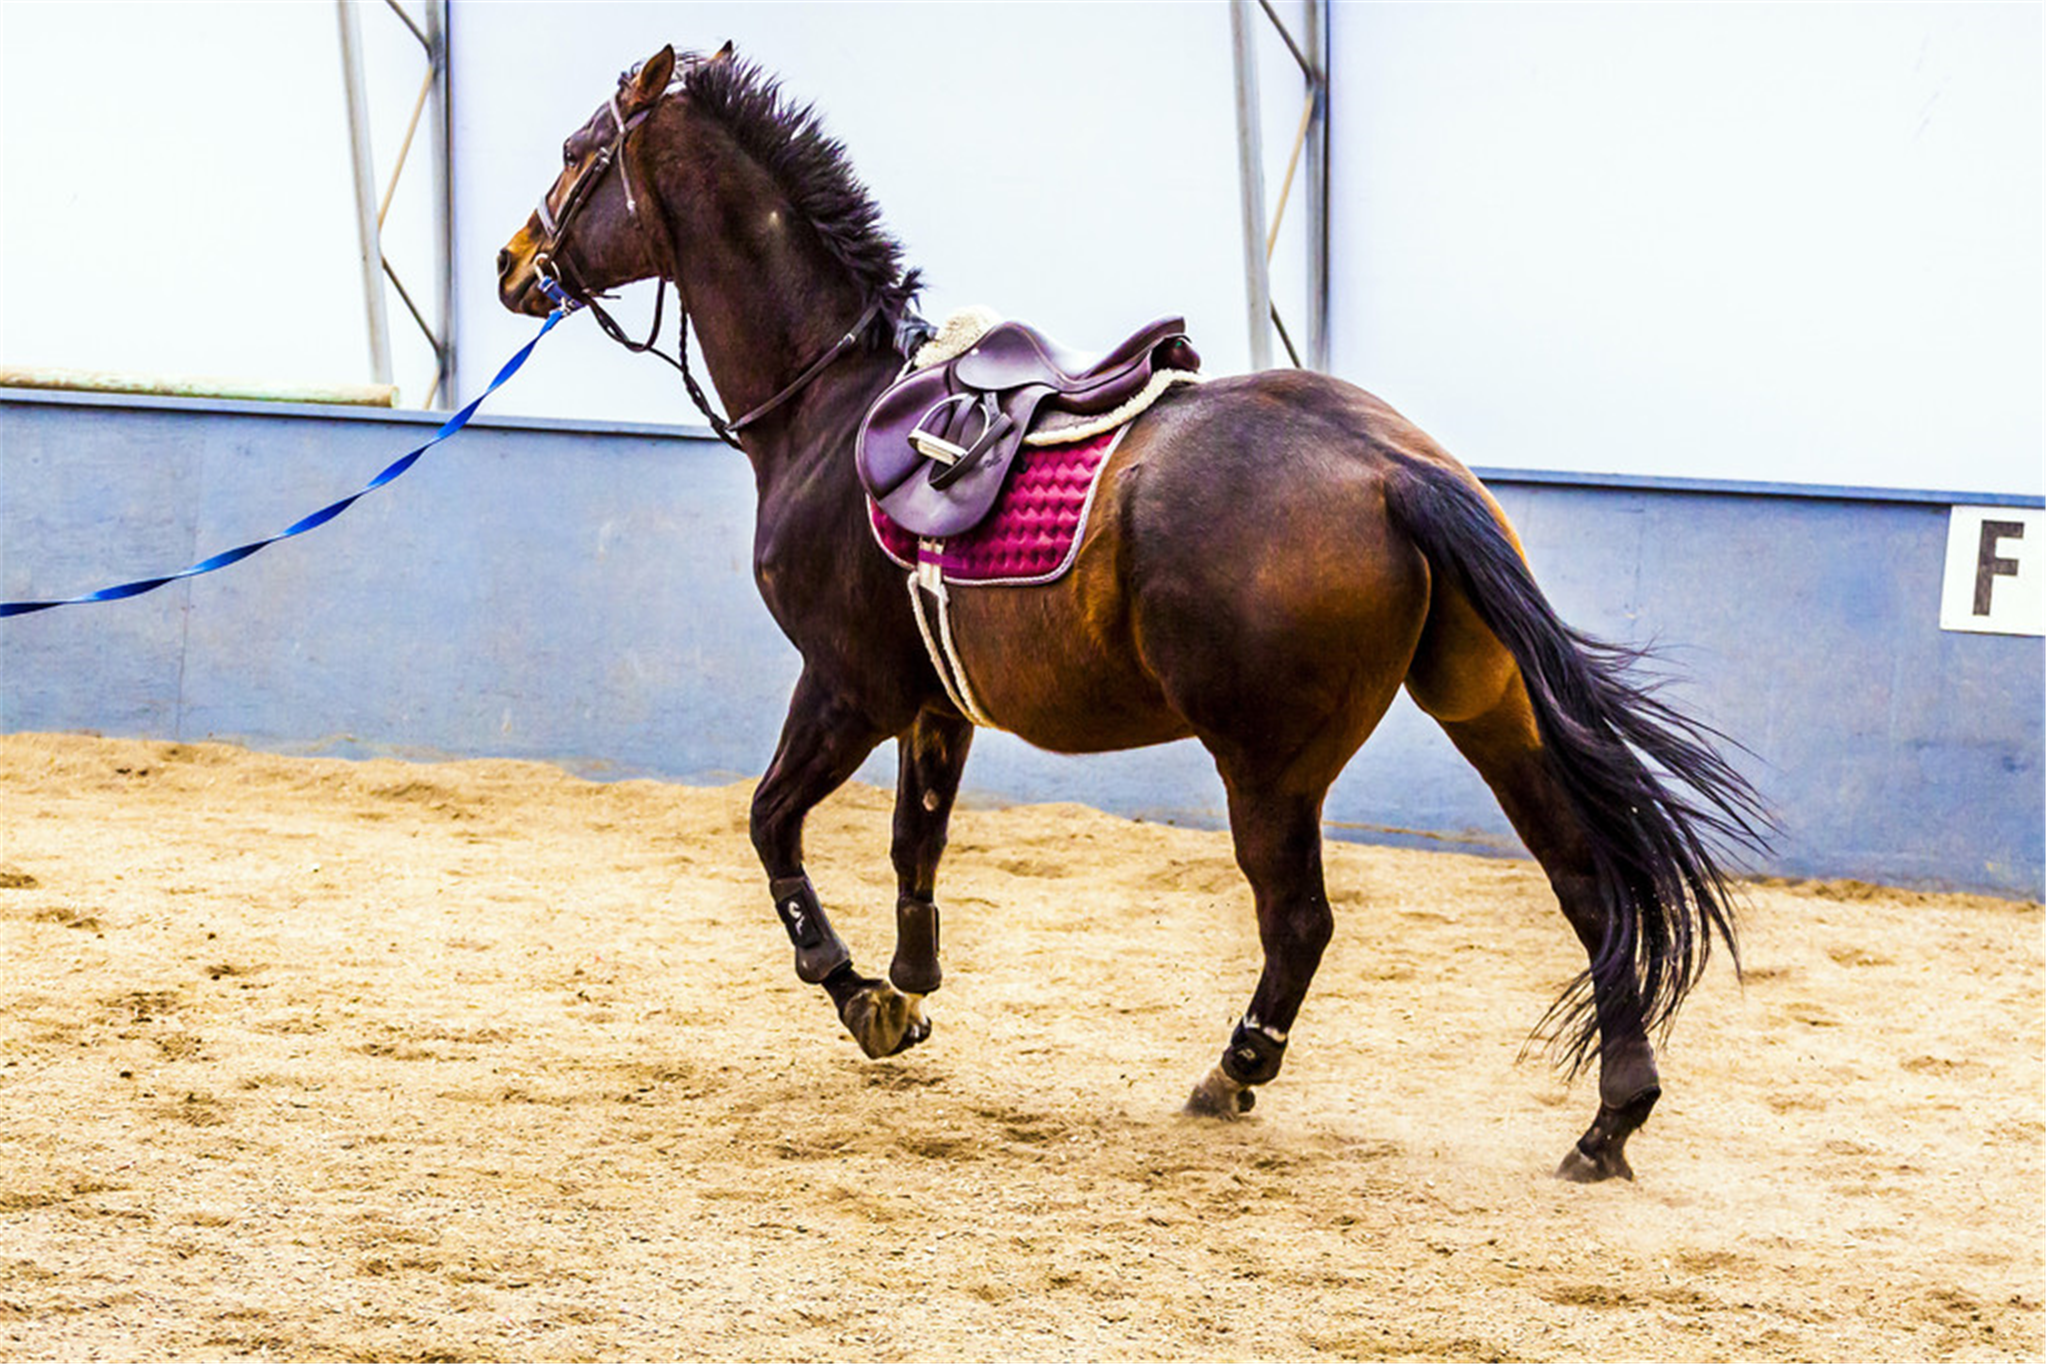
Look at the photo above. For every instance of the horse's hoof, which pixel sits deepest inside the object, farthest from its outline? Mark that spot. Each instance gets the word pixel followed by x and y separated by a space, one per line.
pixel 1580 1168
pixel 1601 1153
pixel 1218 1096
pixel 884 1021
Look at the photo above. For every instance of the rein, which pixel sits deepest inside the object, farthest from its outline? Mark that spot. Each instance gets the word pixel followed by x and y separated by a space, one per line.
pixel 553 282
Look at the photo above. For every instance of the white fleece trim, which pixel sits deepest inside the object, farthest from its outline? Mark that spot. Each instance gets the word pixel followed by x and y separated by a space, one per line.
pixel 1108 421
pixel 956 336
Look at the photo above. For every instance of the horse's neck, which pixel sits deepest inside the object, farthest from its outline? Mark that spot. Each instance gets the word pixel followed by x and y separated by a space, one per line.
pixel 755 347
pixel 810 518
pixel 808 455
pixel 764 308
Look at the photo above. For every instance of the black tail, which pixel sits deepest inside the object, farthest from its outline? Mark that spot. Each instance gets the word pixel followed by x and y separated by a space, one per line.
pixel 1655 798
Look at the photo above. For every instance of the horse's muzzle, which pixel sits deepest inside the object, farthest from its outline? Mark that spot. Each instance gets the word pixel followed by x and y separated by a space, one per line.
pixel 518 282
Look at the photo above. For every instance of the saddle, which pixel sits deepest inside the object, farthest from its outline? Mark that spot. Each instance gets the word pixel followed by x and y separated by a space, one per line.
pixel 935 449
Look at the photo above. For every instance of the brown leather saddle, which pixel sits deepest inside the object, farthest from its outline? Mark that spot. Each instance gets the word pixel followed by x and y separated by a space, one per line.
pixel 935 449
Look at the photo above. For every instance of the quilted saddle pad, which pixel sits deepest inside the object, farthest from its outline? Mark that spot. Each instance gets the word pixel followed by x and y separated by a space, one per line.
pixel 1034 531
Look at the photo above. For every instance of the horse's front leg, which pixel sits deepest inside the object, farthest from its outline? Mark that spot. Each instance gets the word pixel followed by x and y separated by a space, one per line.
pixel 824 740
pixel 932 755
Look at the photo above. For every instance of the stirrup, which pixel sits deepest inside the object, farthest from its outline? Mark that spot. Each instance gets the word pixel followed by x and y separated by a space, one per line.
pixel 935 447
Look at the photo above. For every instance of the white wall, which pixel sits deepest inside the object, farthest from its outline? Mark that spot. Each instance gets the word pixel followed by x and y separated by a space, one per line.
pixel 1794 242
pixel 1779 242
pixel 176 194
pixel 1072 164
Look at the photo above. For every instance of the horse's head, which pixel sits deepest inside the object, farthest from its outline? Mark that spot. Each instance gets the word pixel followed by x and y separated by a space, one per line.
pixel 598 226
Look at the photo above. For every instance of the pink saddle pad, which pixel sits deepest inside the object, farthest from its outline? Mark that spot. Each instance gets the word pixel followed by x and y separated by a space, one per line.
pixel 1034 530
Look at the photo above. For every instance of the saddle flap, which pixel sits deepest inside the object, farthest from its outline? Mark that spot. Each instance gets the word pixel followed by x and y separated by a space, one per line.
pixel 935 497
pixel 883 452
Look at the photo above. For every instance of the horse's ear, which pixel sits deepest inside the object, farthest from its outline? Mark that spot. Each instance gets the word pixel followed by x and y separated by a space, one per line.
pixel 650 82
pixel 723 54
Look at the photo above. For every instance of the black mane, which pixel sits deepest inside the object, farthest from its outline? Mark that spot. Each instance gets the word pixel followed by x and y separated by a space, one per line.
pixel 789 142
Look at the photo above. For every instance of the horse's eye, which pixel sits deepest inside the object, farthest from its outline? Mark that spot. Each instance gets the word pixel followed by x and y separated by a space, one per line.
pixel 567 154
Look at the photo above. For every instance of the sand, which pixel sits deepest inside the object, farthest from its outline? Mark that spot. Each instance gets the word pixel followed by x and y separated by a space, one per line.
pixel 315 1060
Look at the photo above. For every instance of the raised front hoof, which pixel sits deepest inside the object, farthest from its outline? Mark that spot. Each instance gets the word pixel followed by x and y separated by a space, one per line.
pixel 883 1020
pixel 1218 1096
pixel 1583 1167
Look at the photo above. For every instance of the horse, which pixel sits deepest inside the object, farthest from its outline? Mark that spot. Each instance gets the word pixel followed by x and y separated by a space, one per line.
pixel 1273 557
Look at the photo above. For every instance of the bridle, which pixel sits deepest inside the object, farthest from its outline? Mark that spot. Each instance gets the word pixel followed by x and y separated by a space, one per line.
pixel 554 282
pixel 585 180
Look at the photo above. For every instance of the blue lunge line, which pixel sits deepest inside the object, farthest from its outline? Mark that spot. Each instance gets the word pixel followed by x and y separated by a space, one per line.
pixel 318 518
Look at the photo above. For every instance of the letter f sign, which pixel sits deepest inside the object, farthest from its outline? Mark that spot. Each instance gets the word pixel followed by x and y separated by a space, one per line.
pixel 1995 580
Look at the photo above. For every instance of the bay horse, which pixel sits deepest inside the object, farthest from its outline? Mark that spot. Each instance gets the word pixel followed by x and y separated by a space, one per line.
pixel 1272 556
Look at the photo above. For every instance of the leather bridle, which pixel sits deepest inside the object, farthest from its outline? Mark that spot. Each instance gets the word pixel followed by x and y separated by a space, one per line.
pixel 554 279
pixel 544 262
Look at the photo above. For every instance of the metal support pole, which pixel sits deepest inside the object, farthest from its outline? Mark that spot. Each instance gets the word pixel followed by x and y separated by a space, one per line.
pixel 365 195
pixel 1257 283
pixel 440 135
pixel 1318 19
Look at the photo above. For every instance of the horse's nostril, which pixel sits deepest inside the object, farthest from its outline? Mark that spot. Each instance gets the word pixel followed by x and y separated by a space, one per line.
pixel 503 261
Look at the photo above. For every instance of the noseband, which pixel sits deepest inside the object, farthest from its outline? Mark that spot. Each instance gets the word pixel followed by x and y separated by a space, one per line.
pixel 549 269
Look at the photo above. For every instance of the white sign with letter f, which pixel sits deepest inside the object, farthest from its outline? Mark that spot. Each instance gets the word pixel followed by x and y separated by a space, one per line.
pixel 1996 571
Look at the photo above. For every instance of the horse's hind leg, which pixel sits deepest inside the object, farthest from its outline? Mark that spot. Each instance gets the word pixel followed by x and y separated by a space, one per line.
pixel 1278 845
pixel 1283 664
pixel 1500 746
pixel 1465 679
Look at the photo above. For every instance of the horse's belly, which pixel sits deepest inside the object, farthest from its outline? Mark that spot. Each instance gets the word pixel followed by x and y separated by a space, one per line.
pixel 1054 666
